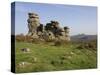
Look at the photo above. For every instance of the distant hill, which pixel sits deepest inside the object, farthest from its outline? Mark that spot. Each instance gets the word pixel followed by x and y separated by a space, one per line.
pixel 83 37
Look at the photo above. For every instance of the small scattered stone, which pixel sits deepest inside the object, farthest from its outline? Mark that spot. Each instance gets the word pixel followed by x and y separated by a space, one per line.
pixel 25 50
pixel 24 64
pixel 69 57
pixel 34 59
pixel 71 53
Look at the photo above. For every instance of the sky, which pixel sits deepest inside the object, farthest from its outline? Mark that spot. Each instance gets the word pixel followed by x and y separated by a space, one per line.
pixel 80 19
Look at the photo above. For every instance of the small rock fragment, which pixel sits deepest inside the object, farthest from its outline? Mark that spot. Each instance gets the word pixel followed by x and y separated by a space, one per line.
pixel 25 50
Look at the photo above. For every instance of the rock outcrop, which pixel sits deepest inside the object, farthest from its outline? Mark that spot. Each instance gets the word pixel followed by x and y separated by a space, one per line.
pixel 33 23
pixel 49 32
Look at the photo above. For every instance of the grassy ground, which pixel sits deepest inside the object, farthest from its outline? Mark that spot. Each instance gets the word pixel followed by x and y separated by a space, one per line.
pixel 53 58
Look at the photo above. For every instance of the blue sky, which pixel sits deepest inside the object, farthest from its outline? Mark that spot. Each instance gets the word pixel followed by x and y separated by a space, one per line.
pixel 80 19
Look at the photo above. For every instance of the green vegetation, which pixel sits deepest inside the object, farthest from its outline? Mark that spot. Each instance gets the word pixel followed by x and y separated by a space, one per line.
pixel 54 58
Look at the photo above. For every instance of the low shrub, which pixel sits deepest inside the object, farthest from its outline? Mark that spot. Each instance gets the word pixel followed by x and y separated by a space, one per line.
pixel 20 38
pixel 59 43
pixel 88 45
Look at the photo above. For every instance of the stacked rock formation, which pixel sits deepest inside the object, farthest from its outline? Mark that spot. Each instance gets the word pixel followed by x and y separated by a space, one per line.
pixel 50 31
pixel 33 23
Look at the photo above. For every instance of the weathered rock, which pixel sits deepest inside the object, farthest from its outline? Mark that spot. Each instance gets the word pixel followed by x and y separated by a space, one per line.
pixel 34 59
pixel 48 36
pixel 33 23
pixel 25 50
pixel 24 64
pixel 52 30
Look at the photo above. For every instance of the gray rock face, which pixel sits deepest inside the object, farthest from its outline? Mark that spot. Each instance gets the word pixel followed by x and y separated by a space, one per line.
pixel 33 23
pixel 48 32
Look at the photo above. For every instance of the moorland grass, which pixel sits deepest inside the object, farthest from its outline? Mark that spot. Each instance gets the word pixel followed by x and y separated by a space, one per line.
pixel 49 57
